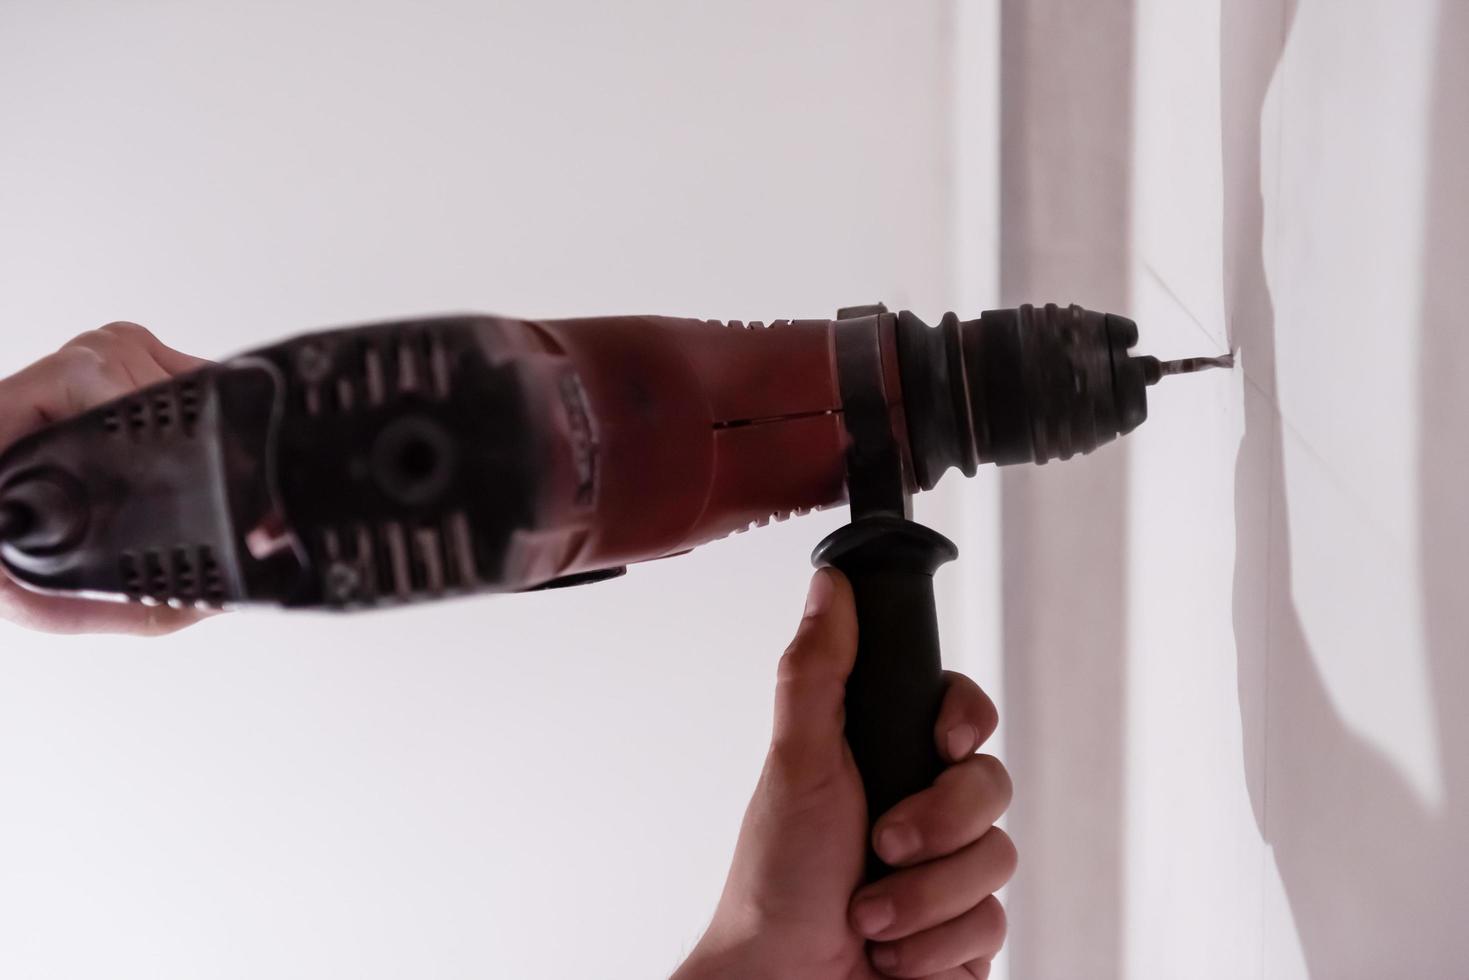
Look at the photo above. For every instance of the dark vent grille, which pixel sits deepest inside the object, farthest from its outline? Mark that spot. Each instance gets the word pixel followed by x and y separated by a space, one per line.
pixel 189 406
pixel 373 370
pixel 132 575
pixel 162 411
pixel 182 575
pixel 185 572
pixel 391 561
pixel 212 583
pixel 165 408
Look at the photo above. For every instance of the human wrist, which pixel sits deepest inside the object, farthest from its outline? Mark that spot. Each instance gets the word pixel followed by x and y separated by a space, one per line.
pixel 723 965
pixel 721 957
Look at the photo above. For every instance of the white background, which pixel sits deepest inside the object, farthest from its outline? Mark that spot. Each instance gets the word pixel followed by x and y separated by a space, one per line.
pixel 1298 646
pixel 1290 780
pixel 539 786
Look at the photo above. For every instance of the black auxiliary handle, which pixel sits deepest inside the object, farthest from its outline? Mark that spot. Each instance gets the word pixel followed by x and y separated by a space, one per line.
pixel 897 684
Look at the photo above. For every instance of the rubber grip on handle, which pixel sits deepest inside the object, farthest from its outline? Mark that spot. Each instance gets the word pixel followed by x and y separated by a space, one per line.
pixel 897 684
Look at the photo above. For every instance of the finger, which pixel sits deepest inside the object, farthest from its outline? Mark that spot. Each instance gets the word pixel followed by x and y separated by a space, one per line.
pixel 812 677
pixel 65 615
pixel 125 353
pixel 960 945
pixel 914 899
pixel 966 718
pixel 89 370
pixel 170 360
pixel 957 810
pixel 58 386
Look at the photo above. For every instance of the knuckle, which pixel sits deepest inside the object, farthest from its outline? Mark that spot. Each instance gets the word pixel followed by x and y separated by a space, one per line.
pixel 986 716
pixel 923 892
pixel 94 341
pixel 968 702
pixel 805 659
pixel 97 340
pixel 126 330
pixel 794 675
pixel 1002 852
pixel 993 779
pixel 793 662
pixel 991 926
pixel 784 756
pixel 902 959
pixel 977 969
pixel 75 359
pixel 978 786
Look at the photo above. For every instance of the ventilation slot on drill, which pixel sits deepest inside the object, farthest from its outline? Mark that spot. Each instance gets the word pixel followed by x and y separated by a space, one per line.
pixel 418 364
pixel 132 575
pixel 137 412
pixel 181 576
pixel 156 578
pixel 185 574
pixel 364 564
pixel 161 411
pixel 165 409
pixel 752 325
pixel 211 581
pixel 189 406
pixel 374 370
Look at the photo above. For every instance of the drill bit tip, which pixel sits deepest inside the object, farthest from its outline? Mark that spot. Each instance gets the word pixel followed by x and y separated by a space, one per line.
pixel 1189 365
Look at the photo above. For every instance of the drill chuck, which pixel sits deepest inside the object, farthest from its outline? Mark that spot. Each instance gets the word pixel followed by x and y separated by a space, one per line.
pixel 1024 385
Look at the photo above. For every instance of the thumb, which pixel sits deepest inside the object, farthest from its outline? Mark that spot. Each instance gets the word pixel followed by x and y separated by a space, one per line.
pixel 811 688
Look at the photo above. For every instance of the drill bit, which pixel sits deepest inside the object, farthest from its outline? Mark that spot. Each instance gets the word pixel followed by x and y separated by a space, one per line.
pixel 1189 365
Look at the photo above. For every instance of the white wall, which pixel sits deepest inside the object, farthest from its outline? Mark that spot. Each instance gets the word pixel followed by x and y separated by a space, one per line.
pixel 1296 642
pixel 1317 794
pixel 538 786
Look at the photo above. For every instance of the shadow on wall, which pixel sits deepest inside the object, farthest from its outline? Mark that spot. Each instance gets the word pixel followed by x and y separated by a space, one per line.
pixel 1378 884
